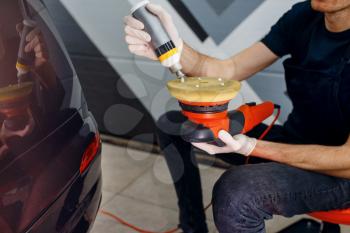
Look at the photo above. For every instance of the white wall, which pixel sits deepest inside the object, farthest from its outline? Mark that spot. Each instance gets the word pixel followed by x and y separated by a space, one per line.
pixel 102 21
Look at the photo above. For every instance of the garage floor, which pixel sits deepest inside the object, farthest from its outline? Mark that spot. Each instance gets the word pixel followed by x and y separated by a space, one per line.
pixel 137 187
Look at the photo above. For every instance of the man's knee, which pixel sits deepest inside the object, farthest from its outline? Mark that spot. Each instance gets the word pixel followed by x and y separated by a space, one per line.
pixel 234 200
pixel 232 191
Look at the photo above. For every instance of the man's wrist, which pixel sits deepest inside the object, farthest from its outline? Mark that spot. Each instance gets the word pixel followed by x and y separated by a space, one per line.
pixel 277 152
pixel 180 45
pixel 251 146
pixel 186 57
pixel 266 150
pixel 247 144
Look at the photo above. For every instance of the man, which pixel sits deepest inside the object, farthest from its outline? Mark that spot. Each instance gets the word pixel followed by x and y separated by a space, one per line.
pixel 311 176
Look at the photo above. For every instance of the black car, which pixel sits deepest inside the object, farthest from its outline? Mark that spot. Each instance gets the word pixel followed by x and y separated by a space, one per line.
pixel 50 149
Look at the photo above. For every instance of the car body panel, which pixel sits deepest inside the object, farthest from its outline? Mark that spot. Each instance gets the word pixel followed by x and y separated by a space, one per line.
pixel 43 135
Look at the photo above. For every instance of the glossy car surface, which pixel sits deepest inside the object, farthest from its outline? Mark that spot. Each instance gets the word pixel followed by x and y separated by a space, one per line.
pixel 45 130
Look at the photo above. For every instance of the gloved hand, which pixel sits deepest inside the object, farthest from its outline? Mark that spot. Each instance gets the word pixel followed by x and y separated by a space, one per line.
pixel 139 40
pixel 239 144
pixel 36 44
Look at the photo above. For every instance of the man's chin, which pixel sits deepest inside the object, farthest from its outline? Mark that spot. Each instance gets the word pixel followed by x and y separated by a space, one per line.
pixel 321 6
pixel 325 6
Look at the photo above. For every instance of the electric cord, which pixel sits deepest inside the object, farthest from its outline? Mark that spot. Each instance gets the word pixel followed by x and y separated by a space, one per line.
pixel 140 230
pixel 268 129
pixel 133 227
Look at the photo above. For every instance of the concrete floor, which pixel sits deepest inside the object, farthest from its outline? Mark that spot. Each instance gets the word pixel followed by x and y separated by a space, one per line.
pixel 137 187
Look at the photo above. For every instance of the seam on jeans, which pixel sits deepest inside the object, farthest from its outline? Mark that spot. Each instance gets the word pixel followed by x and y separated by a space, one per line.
pixel 258 201
pixel 289 195
pixel 305 193
pixel 292 195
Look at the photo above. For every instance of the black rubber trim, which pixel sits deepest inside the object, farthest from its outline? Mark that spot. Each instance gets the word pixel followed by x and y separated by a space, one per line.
pixel 204 109
pixel 277 106
pixel 251 104
pixel 191 132
pixel 237 122
pixel 165 48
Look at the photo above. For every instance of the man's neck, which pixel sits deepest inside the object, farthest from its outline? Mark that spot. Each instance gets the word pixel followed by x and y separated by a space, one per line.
pixel 338 21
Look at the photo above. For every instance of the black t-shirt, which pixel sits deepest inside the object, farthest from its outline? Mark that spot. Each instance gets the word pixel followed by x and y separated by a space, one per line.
pixel 302 33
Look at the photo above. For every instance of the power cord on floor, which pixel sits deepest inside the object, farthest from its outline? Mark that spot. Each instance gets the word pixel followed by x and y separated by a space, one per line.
pixel 140 230
pixel 133 227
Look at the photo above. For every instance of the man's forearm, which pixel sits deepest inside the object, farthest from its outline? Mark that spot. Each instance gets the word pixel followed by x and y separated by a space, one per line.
pixel 328 160
pixel 46 75
pixel 239 67
pixel 196 64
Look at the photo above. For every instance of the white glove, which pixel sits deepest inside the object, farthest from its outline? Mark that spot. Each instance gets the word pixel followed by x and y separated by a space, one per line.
pixel 139 41
pixel 239 144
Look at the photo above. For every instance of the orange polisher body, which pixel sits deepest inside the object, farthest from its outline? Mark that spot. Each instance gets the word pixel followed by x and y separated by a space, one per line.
pixel 214 121
pixel 255 114
pixel 245 117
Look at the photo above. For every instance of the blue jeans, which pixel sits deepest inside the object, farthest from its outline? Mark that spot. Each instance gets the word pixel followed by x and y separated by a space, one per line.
pixel 245 195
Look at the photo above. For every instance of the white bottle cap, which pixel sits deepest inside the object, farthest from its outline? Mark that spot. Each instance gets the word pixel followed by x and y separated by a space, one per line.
pixel 139 5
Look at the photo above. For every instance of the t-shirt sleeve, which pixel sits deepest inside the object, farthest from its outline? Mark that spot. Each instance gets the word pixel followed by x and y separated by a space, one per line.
pixel 280 38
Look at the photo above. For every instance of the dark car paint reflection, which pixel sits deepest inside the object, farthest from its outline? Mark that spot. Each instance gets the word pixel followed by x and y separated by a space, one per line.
pixel 44 129
pixel 28 110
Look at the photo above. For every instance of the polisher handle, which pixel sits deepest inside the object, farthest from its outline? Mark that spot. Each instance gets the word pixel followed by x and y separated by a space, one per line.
pixel 255 114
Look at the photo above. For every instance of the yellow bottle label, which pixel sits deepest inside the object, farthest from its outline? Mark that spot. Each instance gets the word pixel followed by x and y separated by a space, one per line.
pixel 168 54
pixel 22 67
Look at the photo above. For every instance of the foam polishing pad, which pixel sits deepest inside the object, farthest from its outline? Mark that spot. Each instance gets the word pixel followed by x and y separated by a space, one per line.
pixel 15 91
pixel 204 89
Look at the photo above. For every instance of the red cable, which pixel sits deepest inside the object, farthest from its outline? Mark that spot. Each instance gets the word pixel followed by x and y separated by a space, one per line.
pixel 129 225
pixel 267 130
pixel 139 230
pixel 271 125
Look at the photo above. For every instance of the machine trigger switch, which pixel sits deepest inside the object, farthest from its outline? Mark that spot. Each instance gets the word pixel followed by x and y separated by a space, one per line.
pixel 251 104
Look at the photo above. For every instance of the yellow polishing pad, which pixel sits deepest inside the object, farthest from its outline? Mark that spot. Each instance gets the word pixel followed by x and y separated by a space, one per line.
pixel 15 91
pixel 204 89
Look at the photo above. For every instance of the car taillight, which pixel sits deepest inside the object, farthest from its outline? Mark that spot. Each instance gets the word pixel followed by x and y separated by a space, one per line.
pixel 90 153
